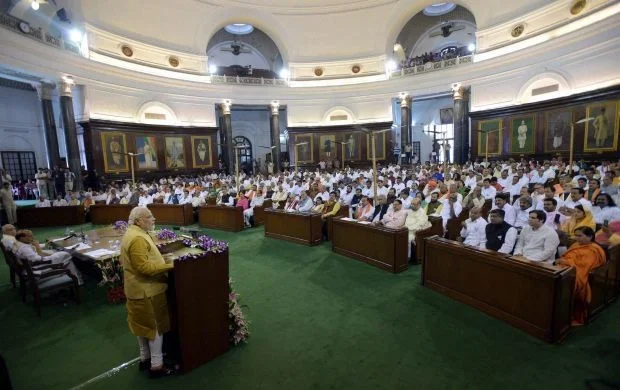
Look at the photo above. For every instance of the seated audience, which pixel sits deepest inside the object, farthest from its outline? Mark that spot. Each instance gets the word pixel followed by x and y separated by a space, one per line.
pixel 305 203
pixel 609 236
pixel 473 231
pixel 395 216
pixel 365 210
pixel 580 217
pixel 450 208
pixel 43 202
pixel 8 236
pixel 257 200
pixel 605 209
pixel 537 241
pixel 416 221
pixel 501 203
pixel 318 205
pixel 555 219
pixel 522 213
pixel 584 255
pixel 59 202
pixel 500 235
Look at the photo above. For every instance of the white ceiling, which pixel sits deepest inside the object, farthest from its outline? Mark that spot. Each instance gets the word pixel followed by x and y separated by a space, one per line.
pixel 304 30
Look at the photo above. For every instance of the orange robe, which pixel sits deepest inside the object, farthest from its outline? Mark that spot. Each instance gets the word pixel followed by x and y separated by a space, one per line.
pixel 584 258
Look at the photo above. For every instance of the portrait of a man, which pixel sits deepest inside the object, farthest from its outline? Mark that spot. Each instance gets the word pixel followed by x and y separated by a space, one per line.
pixel 201 152
pixel 175 153
pixel 146 147
pixel 491 129
pixel 380 146
pixel 305 150
pixel 557 130
pixel 602 129
pixel 114 152
pixel 446 116
pixel 352 147
pixel 522 134
pixel 328 147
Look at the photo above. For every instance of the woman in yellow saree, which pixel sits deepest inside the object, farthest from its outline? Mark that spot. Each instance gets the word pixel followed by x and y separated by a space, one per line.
pixel 584 255
pixel 579 218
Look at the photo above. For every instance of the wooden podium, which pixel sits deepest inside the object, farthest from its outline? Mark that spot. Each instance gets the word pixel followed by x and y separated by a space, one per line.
pixel 198 300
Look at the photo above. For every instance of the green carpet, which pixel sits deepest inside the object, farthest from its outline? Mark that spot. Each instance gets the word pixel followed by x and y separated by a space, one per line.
pixel 318 321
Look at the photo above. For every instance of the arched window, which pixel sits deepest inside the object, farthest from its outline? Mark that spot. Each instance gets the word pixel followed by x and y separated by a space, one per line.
pixel 245 153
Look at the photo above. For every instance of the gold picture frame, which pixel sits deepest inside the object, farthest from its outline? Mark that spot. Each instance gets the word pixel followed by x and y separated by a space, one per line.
pixel 114 149
pixel 380 146
pixel 612 121
pixel 494 125
pixel 201 151
pixel 530 123
pixel 557 130
pixel 306 152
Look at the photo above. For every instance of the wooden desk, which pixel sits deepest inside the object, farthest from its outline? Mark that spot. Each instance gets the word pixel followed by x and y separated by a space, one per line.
pixel 343 212
pixel 454 225
pixel 259 212
pixel 221 218
pixel 436 229
pixel 302 228
pixel 108 214
pixel 172 214
pixel 50 216
pixel 375 245
pixel 533 297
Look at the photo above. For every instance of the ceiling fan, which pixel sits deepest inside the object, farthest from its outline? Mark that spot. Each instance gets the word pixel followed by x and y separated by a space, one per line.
pixel 236 48
pixel 446 30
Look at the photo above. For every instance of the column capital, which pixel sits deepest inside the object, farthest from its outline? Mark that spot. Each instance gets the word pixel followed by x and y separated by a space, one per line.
pixel 44 90
pixel 275 107
pixel 226 104
pixel 65 87
pixel 405 99
pixel 459 91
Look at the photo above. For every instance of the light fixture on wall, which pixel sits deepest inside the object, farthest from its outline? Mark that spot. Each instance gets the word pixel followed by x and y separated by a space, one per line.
pixel 284 73
pixel 75 35
pixel 212 69
pixel 471 47
pixel 35 5
pixel 391 65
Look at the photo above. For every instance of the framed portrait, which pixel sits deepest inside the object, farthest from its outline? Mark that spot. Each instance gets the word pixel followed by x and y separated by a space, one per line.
pixel 114 152
pixel 352 147
pixel 328 148
pixel 522 131
pixel 446 116
pixel 601 133
pixel 557 130
pixel 491 129
pixel 201 151
pixel 175 153
pixel 380 146
pixel 146 147
pixel 304 152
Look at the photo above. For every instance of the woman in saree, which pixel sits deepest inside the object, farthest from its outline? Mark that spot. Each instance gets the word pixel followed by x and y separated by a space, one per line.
pixel 579 218
pixel 584 255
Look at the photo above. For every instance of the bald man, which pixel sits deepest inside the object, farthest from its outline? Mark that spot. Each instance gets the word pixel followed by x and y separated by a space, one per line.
pixel 145 274
pixel 8 236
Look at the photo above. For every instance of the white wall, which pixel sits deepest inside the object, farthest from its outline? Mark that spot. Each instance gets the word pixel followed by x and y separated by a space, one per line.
pixel 254 125
pixel 21 123
pixel 425 112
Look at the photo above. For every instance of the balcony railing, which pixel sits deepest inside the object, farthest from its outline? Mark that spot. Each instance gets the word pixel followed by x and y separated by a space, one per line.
pixel 433 66
pixel 244 80
pixel 12 23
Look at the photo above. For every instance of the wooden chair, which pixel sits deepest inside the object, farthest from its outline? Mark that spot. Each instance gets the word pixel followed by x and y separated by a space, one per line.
pixel 343 212
pixel 9 258
pixel 48 278
pixel 454 225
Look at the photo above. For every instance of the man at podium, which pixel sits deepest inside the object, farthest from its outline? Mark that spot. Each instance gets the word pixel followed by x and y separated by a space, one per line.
pixel 145 289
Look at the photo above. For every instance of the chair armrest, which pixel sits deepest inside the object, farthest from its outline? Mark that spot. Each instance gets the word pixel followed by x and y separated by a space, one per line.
pixel 53 272
pixel 33 263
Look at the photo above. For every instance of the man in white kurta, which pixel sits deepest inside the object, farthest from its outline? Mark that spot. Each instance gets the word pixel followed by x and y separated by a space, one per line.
pixel 537 241
pixel 451 208
pixel 473 230
pixel 416 220
pixel 258 200
pixel 395 217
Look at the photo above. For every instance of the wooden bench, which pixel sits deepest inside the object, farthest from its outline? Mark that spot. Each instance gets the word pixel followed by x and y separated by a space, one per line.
pixel 259 212
pixel 301 228
pixel 50 216
pixel 108 214
pixel 436 229
pixel 221 218
pixel 172 214
pixel 343 212
pixel 378 246
pixel 534 297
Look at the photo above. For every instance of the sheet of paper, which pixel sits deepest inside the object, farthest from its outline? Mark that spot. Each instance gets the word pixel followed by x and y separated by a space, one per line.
pixel 347 219
pixel 82 246
pixel 100 253
pixel 364 222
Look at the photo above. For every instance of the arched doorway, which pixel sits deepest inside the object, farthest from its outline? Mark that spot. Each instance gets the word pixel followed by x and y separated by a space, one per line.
pixel 245 153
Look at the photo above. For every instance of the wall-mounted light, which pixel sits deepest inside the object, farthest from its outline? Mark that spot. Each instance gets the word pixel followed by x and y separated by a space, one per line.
pixel 391 65
pixel 35 5
pixel 284 73
pixel 212 69
pixel 75 35
pixel 471 47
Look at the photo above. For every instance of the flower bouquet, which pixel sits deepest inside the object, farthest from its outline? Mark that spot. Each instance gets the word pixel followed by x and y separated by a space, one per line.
pixel 238 326
pixel 166 235
pixel 112 279
pixel 121 226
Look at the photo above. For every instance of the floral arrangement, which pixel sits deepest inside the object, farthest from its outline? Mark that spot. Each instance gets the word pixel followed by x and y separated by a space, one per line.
pixel 205 243
pixel 238 326
pixel 166 235
pixel 121 225
pixel 112 278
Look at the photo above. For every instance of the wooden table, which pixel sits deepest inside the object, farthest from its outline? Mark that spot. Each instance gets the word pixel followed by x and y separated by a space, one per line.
pixel 172 214
pixel 534 297
pixel 301 228
pixel 108 214
pixel 379 246
pixel 50 216
pixel 221 218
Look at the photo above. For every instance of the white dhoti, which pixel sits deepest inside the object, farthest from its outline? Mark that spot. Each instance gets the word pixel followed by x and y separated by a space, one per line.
pixel 247 214
pixel 64 258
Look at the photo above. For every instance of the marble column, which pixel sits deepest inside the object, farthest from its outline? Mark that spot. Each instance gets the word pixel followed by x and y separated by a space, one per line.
pixel 51 137
pixel 461 123
pixel 227 142
pixel 73 149
pixel 274 122
pixel 405 123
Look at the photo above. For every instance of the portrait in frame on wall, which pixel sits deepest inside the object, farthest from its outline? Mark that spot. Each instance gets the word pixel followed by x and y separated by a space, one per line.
pixel 304 152
pixel 446 115
pixel 146 148
pixel 380 146
pixel 114 152
pixel 201 151
pixel 175 153
pixel 557 130
pixel 522 130
pixel 352 147
pixel 601 133
pixel 328 148
pixel 493 129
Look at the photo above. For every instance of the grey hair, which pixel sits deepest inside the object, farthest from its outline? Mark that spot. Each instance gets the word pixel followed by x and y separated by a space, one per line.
pixel 136 213
pixel 526 199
